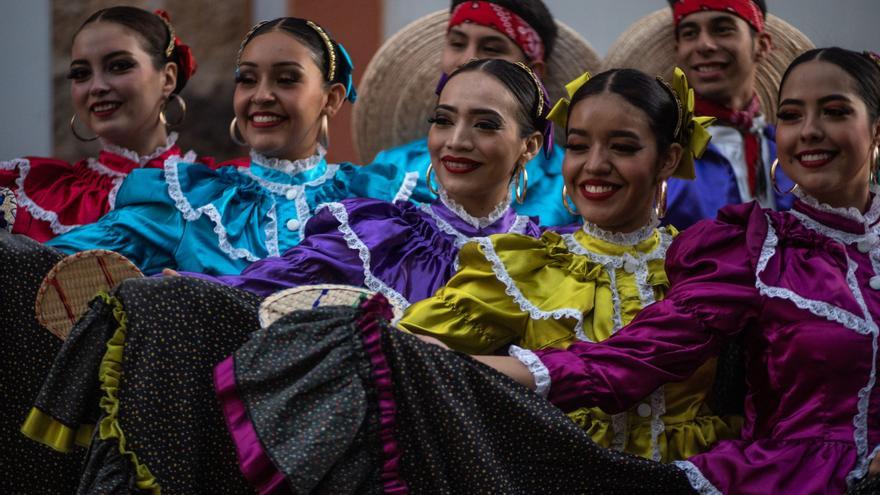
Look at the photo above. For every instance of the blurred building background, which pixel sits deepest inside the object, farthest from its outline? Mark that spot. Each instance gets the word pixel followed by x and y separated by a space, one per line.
pixel 35 98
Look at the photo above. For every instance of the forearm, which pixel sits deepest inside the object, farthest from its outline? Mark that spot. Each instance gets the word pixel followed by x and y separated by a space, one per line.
pixel 510 366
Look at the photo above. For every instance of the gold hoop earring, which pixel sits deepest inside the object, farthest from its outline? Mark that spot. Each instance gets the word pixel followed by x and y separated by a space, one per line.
pixel 76 134
pixel 428 179
pixel 773 179
pixel 568 208
pixel 660 207
pixel 325 132
pixel 181 103
pixel 521 187
pixel 233 133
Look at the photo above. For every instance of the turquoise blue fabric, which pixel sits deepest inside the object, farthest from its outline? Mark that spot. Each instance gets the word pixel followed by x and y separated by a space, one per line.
pixel 543 198
pixel 188 217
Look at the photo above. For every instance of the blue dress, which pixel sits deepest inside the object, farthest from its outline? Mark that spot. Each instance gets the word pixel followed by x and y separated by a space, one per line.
pixel 188 217
pixel 715 185
pixel 543 198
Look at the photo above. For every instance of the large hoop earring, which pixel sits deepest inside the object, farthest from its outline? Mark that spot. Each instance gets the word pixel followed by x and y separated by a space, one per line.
pixel 324 132
pixel 428 175
pixel 773 179
pixel 234 133
pixel 76 134
pixel 660 207
pixel 521 186
pixel 565 202
pixel 181 103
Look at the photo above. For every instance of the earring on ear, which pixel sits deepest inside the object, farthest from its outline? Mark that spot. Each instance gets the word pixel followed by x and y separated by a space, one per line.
pixel 234 133
pixel 568 207
pixel 660 207
pixel 181 103
pixel 324 133
pixel 428 175
pixel 522 184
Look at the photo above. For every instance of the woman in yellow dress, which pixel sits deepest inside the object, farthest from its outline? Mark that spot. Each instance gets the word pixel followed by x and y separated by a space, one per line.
pixel 626 133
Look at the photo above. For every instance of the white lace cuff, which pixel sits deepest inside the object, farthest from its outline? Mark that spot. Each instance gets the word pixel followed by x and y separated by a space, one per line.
pixel 698 482
pixel 536 368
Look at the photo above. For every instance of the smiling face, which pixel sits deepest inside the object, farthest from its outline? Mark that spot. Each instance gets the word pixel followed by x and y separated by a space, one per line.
pixel 475 142
pixel 612 167
pixel 281 96
pixel 116 89
pixel 825 139
pixel 720 55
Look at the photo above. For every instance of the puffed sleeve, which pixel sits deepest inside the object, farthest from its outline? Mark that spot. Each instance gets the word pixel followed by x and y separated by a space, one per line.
pixel 506 292
pixel 711 267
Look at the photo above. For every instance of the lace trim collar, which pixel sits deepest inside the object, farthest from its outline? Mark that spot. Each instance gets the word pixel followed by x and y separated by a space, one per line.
pixel 287 166
pixel 623 238
pixel 477 223
pixel 135 157
pixel 867 219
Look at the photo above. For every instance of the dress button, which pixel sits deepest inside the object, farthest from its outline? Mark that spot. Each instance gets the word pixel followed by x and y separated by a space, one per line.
pixel 630 265
pixel 644 410
pixel 290 194
pixel 293 224
pixel 868 243
pixel 875 282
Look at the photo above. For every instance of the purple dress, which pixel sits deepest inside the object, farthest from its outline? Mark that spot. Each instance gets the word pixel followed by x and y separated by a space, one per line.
pixel 401 250
pixel 801 290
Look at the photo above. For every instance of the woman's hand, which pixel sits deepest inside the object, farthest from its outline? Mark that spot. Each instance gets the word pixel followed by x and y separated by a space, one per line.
pixel 168 272
pixel 432 340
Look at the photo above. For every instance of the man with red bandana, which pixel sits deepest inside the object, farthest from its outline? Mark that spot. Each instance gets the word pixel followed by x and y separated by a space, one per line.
pixel 719 45
pixel 516 31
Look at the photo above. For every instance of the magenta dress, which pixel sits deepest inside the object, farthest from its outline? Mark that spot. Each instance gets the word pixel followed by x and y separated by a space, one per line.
pixel 801 290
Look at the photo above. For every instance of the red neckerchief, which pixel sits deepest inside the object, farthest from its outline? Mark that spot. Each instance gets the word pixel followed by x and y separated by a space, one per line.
pixel 742 120
pixel 502 20
pixel 744 9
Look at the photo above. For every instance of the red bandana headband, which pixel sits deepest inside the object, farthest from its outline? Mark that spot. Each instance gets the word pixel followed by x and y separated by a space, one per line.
pixel 502 20
pixel 745 9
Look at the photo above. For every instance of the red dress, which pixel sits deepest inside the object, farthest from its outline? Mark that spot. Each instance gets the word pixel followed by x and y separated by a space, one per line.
pixel 55 196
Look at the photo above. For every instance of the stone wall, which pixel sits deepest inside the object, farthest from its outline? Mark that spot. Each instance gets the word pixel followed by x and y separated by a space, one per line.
pixel 213 30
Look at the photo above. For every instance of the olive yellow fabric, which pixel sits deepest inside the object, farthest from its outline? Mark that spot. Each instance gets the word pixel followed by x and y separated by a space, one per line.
pixel 547 292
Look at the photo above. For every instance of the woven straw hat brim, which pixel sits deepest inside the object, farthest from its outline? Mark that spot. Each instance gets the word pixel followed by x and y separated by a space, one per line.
pixel 649 45
pixel 74 281
pixel 308 297
pixel 396 96
pixel 8 207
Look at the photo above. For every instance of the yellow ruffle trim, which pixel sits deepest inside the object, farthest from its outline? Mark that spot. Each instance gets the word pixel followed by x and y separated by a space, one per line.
pixel 109 374
pixel 45 429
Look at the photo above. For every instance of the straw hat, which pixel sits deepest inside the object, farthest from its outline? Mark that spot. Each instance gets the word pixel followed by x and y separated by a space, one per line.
pixel 649 45
pixel 8 207
pixel 397 91
pixel 311 296
pixel 74 281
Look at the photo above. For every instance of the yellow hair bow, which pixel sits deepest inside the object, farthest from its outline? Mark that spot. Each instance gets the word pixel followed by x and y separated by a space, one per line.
pixel 559 113
pixel 690 131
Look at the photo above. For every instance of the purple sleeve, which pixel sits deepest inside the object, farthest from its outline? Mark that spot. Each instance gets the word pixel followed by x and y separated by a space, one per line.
pixel 712 297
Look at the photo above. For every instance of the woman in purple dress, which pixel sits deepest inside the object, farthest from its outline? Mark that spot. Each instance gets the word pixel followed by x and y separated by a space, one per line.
pixel 801 289
pixel 490 120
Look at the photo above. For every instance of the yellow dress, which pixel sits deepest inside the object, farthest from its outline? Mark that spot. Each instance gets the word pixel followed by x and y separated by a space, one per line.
pixel 547 292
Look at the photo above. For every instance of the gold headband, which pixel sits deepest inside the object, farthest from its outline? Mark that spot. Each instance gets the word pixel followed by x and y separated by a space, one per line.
pixel 331 73
pixel 537 82
pixel 245 40
pixel 170 49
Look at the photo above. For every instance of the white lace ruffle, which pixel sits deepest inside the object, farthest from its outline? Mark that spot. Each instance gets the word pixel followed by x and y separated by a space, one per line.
pixel 137 158
pixel 531 361
pixel 36 211
pixel 410 180
pixel 658 409
pixel 102 169
pixel 355 243
pixel 289 167
pixel 623 238
pixel 516 294
pixel 475 222
pixel 698 482
pixel 870 216
pixel 272 232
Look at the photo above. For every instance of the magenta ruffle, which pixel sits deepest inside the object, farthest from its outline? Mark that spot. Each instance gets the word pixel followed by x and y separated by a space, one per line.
pixel 371 335
pixel 252 459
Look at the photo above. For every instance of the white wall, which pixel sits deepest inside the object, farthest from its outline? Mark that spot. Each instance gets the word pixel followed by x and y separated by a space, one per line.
pixel 853 24
pixel 25 78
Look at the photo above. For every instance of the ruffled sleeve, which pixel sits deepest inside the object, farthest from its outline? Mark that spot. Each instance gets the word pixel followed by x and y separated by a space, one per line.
pixel 382 181
pixel 510 289
pixel 711 267
pixel 146 228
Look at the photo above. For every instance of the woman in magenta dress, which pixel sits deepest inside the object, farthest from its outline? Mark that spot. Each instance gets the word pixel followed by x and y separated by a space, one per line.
pixel 490 120
pixel 127 67
pixel 801 290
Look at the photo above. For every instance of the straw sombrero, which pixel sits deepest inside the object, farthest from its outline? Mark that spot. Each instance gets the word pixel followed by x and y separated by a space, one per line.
pixel 311 296
pixel 649 45
pixel 74 281
pixel 396 94
pixel 8 207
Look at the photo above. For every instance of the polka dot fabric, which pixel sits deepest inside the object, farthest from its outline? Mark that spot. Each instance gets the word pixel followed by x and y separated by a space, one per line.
pixel 25 357
pixel 459 427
